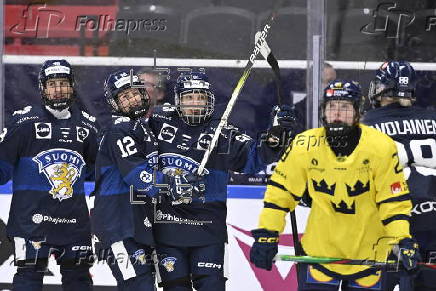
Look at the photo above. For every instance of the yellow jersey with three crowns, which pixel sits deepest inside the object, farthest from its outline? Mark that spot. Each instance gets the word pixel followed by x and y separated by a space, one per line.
pixel 360 203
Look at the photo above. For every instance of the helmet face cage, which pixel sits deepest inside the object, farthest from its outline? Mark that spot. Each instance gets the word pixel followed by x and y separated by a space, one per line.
pixel 115 85
pixel 57 69
pixel 342 90
pixel 195 90
pixel 395 79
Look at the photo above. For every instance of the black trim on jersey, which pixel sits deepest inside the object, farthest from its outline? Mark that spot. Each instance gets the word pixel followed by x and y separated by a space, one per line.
pixel 275 184
pixel 280 186
pixel 396 217
pixel 274 206
pixel 401 198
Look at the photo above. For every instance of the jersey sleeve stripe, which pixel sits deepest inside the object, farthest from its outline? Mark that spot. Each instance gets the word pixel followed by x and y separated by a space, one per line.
pixel 396 217
pixel 401 198
pixel 275 184
pixel 274 206
pixel 280 186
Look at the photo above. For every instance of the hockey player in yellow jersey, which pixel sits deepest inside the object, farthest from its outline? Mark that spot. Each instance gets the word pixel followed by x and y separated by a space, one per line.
pixel 360 202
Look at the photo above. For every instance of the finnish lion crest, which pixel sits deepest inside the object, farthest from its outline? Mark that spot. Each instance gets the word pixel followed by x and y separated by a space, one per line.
pixel 169 263
pixel 62 168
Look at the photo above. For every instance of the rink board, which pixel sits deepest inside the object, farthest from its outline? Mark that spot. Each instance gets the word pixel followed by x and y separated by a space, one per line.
pixel 244 205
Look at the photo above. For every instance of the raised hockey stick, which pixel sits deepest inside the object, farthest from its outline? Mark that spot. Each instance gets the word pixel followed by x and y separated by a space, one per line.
pixel 239 85
pixel 272 61
pixel 323 260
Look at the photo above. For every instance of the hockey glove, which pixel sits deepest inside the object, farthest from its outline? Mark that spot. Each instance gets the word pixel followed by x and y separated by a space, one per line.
pixel 284 116
pixel 185 188
pixel 264 249
pixel 409 254
pixel 284 126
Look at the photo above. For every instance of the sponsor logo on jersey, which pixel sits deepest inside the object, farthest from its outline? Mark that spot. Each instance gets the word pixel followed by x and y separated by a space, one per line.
pixel 167 107
pixel 167 133
pixel 396 188
pixel 146 177
pixel 90 126
pixel 3 134
pixel 88 116
pixel 242 137
pixel 82 133
pixel 42 130
pixel 22 111
pixel 169 263
pixel 39 218
pixel 65 132
pixel 160 216
pixel 170 161
pixel 209 265
pixel 62 168
pixel 21 120
pixel 121 119
pixel 157 115
pixel 204 141
pixel 185 140
pixel 81 248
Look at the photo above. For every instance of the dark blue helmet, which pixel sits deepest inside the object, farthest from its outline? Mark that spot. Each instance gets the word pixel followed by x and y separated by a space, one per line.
pixel 342 90
pixel 395 79
pixel 120 81
pixel 56 69
pixel 194 112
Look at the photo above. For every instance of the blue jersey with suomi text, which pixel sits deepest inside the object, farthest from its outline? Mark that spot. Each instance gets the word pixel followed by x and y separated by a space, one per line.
pixel 182 146
pixel 47 159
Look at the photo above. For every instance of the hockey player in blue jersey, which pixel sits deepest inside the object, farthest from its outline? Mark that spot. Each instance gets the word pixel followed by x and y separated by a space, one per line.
pixel 46 151
pixel 126 158
pixel 190 232
pixel 392 95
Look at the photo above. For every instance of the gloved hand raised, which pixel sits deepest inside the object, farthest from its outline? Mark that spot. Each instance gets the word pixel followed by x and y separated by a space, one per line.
pixel 284 126
pixel 284 116
pixel 265 248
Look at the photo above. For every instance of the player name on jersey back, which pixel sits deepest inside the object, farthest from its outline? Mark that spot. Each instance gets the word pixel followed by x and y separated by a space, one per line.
pixel 410 126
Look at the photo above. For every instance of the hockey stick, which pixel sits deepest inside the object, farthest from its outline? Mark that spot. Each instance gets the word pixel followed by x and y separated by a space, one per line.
pixel 239 85
pixel 323 260
pixel 272 61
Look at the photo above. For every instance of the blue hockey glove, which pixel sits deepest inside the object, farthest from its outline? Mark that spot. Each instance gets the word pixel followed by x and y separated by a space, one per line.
pixel 265 248
pixel 186 187
pixel 409 254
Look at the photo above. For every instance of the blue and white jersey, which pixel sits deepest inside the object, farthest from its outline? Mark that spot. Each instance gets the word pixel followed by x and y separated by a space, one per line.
pixel 414 131
pixel 127 158
pixel 48 159
pixel 182 146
